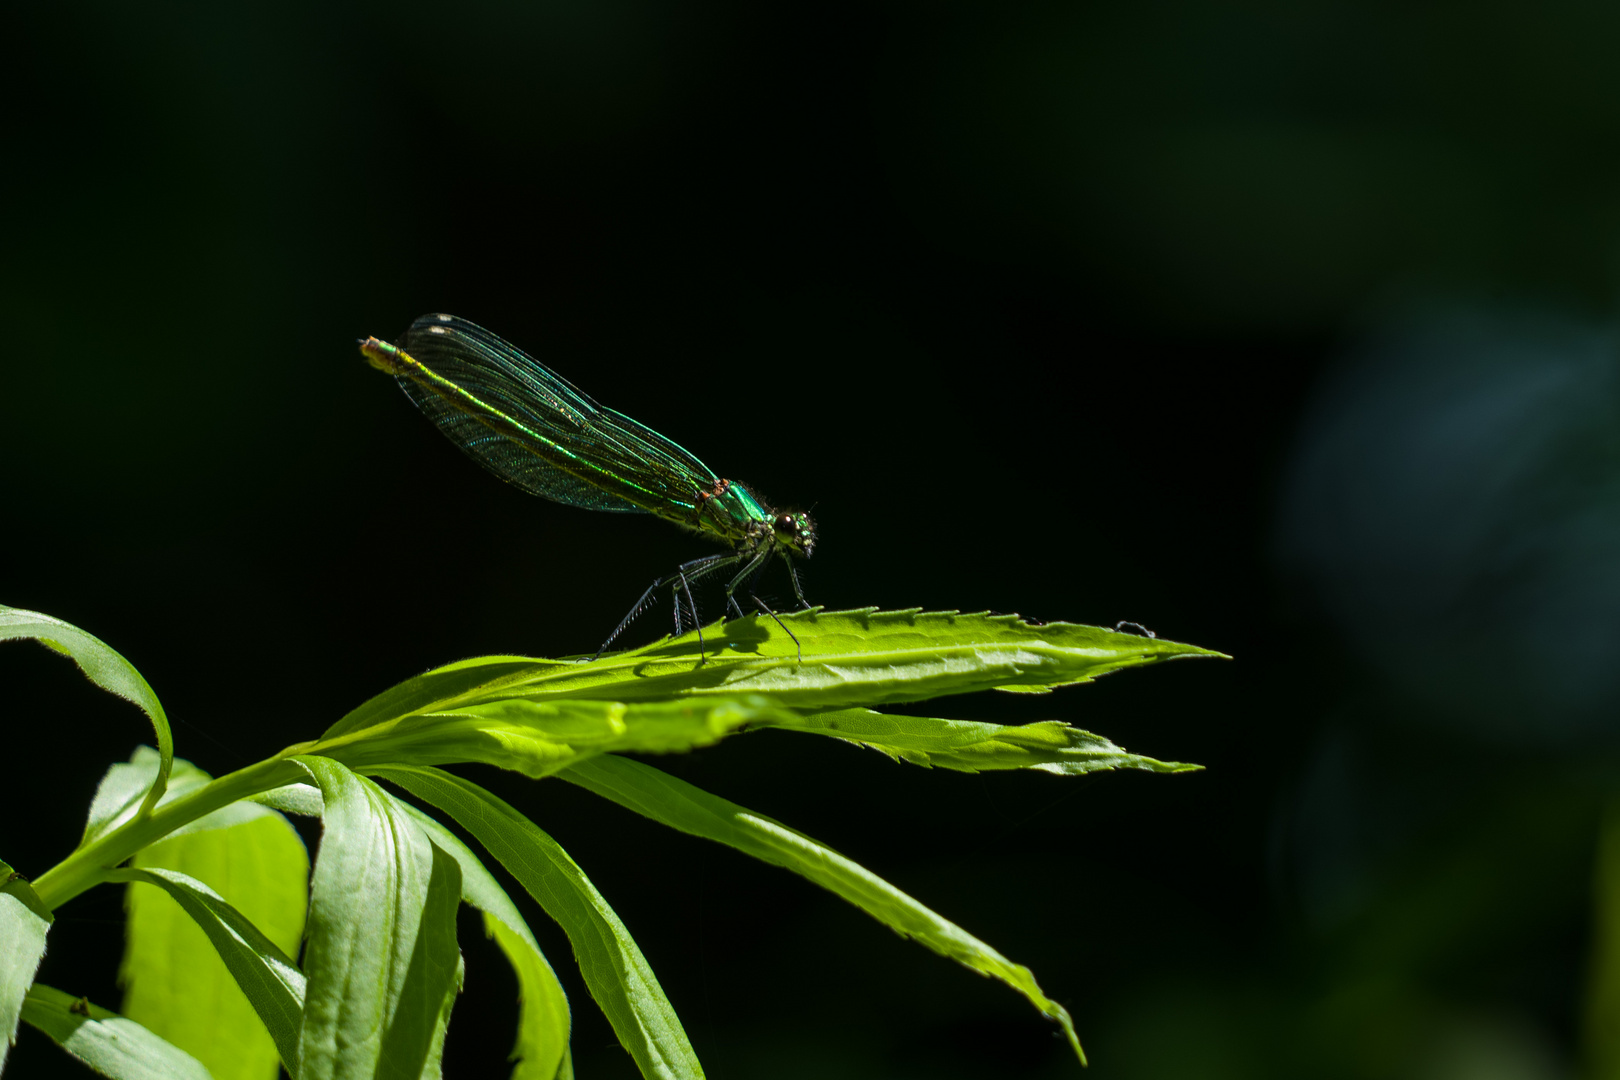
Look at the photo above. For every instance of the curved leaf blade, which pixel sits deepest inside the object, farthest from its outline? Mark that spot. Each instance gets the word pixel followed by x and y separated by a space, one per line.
pixel 616 972
pixel 675 803
pixel 861 657
pixel 110 1044
pixel 866 657
pixel 206 972
pixel 543 1016
pixel 538 737
pixel 102 666
pixel 267 976
pixel 24 922
pixel 382 963
pixel 176 984
pixel 541 1051
pixel 968 746
pixel 481 678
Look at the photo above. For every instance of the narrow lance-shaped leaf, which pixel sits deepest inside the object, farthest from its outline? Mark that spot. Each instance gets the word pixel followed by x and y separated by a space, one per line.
pixel 543 1020
pixel 863 657
pixel 541 1051
pixel 267 976
pixel 110 1044
pixel 539 737
pixel 617 974
pixel 24 921
pixel 102 666
pixel 675 803
pixel 175 983
pixel 382 961
pixel 967 746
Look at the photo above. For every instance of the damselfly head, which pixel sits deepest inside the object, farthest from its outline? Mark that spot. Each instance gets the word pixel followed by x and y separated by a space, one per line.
pixel 796 532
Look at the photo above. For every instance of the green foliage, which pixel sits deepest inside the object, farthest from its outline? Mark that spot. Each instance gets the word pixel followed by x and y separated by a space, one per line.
pixel 382 958
pixel 189 1007
pixel 104 667
pixel 183 979
pixel 217 879
pixel 614 969
pixel 110 1044
pixel 24 921
pixel 679 805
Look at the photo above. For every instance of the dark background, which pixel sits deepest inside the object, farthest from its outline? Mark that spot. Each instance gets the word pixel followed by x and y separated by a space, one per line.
pixel 1284 329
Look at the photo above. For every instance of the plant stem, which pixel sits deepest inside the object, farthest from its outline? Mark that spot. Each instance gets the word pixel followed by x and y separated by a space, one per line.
pixel 86 867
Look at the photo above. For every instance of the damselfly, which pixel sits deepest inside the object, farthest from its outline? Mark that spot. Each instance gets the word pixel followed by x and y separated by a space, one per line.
pixel 533 428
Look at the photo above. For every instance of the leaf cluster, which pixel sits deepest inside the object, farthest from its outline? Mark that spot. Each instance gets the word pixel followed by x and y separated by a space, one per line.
pixel 221 889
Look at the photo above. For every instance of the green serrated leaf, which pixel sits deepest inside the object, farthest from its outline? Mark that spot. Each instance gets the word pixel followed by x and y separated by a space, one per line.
pixel 617 974
pixel 863 657
pixel 185 979
pixel 112 1045
pixel 102 666
pixel 382 961
pixel 1048 745
pixel 24 922
pixel 679 805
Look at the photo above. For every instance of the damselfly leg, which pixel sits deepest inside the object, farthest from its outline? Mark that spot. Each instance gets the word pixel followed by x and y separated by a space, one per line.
pixel 695 572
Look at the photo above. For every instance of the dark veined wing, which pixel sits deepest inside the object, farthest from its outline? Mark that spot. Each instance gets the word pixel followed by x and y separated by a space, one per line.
pixel 535 429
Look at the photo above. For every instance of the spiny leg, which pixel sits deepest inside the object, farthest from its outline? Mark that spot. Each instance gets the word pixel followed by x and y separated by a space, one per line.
pixel 635 609
pixel 697 569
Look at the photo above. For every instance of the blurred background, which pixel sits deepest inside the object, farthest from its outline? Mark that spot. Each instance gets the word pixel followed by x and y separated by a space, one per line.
pixel 1287 330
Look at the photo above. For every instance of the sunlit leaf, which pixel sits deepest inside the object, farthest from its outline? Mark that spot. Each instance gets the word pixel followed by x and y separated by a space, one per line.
pixel 539 737
pixel 102 666
pixel 617 974
pixel 543 1018
pixel 24 922
pixel 966 746
pixel 863 657
pixel 203 985
pixel 382 961
pixel 679 805
pixel 110 1044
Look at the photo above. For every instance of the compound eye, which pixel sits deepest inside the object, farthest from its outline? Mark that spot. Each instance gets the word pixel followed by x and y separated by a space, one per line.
pixel 785 523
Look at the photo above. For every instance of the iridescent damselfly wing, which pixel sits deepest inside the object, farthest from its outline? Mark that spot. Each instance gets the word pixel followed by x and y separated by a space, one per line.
pixel 536 430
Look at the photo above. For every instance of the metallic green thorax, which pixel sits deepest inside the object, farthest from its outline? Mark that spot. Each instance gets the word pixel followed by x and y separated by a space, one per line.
pixel 534 429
